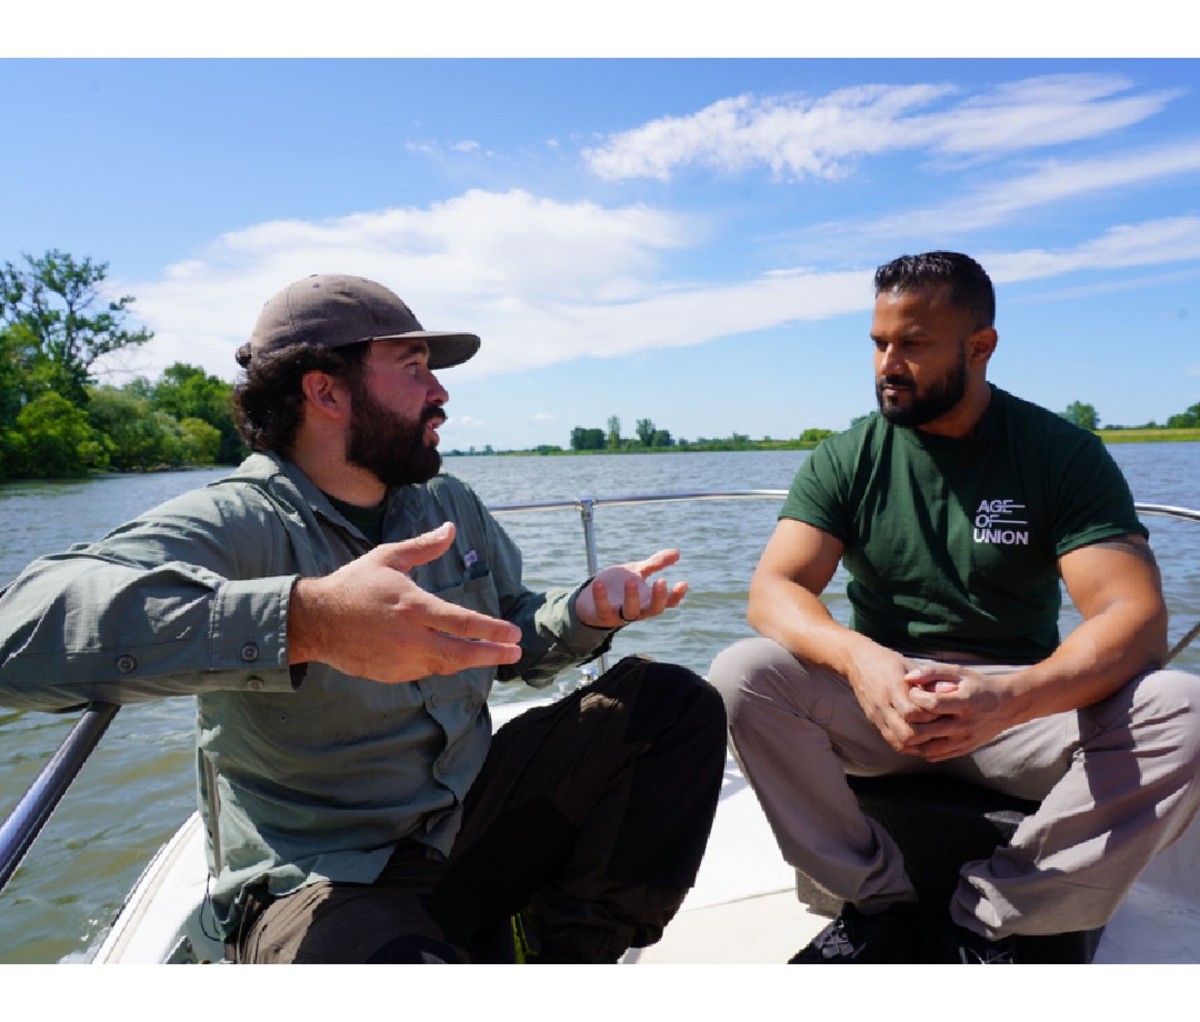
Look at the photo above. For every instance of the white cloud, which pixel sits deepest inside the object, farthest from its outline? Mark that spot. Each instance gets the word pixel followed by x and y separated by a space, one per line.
pixel 545 282
pixel 466 146
pixel 798 136
pixel 1043 111
pixel 505 265
pixel 464 420
pixel 1054 181
pixel 1154 242
pixel 541 417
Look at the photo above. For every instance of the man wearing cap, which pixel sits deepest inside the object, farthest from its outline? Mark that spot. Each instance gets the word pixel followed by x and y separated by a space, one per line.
pixel 340 610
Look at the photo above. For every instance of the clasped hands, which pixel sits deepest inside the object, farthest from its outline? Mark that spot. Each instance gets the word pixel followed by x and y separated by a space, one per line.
pixel 369 619
pixel 938 711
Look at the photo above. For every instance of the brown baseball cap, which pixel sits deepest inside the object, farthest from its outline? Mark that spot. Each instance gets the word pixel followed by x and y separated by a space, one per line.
pixel 334 309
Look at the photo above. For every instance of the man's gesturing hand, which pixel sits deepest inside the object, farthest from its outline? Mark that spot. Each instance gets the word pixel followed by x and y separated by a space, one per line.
pixel 621 594
pixel 371 620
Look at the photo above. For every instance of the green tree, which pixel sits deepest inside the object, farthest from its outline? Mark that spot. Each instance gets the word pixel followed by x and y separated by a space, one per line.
pixel 815 435
pixel 53 439
pixel 185 391
pixel 140 436
pixel 1185 420
pixel 11 378
pixel 614 433
pixel 1081 415
pixel 55 302
pixel 201 441
pixel 645 432
pixel 662 438
pixel 583 439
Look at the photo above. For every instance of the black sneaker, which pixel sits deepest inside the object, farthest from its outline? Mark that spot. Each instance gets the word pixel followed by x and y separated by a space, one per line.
pixel 887 937
pixel 971 948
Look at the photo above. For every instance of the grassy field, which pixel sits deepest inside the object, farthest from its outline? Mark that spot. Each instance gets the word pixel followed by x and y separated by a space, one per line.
pixel 1147 436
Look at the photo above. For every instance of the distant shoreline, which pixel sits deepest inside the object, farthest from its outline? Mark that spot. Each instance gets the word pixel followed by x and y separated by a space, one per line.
pixel 1109 436
pixel 1148 436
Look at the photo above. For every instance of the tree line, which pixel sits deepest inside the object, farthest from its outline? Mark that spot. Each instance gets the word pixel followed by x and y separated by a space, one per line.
pixel 648 437
pixel 57 420
pixel 1086 416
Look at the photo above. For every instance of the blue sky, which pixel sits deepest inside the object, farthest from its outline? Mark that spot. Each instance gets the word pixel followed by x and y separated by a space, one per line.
pixel 689 241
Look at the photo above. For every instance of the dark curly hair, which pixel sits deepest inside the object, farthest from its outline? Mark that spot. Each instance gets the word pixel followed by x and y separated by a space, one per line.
pixel 268 402
pixel 970 287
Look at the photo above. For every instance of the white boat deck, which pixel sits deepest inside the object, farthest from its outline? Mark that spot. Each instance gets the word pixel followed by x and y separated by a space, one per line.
pixel 743 909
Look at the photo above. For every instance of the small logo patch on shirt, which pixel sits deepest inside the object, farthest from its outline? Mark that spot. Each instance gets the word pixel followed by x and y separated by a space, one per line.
pixel 995 521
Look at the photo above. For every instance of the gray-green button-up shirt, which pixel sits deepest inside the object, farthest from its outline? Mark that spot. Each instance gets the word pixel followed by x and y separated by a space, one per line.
pixel 319 773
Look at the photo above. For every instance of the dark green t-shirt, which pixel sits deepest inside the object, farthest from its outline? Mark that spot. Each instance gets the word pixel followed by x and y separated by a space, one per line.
pixel 368 520
pixel 952 545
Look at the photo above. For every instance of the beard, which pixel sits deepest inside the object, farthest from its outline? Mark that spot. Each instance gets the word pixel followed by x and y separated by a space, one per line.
pixel 389 446
pixel 928 404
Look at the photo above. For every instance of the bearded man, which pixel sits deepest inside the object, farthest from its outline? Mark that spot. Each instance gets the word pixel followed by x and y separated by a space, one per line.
pixel 340 610
pixel 955 511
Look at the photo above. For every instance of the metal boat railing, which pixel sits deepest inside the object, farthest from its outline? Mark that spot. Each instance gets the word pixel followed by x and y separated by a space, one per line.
pixel 29 816
pixel 586 507
pixel 26 820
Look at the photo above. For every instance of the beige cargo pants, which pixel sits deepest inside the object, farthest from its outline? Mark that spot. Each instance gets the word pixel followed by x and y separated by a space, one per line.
pixel 1117 782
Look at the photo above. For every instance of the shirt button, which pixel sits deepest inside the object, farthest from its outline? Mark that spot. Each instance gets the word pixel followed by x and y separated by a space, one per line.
pixel 254 684
pixel 126 664
pixel 433 700
pixel 249 652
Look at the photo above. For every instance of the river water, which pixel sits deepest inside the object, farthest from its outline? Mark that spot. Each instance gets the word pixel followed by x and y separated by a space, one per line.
pixel 138 785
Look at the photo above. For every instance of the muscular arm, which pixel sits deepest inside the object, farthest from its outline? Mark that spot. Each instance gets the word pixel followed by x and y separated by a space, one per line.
pixel 1116 587
pixel 785 605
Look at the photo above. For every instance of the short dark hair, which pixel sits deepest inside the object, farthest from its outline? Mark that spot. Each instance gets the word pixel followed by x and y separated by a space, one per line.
pixel 268 402
pixel 970 287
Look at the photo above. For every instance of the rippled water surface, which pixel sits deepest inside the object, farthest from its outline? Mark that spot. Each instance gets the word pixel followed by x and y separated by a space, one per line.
pixel 138 786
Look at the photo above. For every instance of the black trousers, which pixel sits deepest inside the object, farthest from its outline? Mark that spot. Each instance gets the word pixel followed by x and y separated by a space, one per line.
pixel 589 819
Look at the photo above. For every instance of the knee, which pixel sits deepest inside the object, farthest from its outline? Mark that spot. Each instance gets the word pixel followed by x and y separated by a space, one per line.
pixel 664 695
pixel 1167 703
pixel 698 701
pixel 738 671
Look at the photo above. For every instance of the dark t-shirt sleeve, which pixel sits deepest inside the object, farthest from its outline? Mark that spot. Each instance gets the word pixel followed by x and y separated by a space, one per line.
pixel 1092 499
pixel 817 494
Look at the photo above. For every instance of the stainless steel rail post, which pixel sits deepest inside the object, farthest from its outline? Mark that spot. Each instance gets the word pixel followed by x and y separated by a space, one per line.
pixel 587 508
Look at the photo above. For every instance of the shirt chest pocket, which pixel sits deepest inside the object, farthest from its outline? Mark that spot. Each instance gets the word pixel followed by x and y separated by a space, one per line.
pixel 476 592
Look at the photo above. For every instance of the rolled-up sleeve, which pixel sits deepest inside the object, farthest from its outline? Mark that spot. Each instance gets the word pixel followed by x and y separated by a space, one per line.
pixel 170 604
